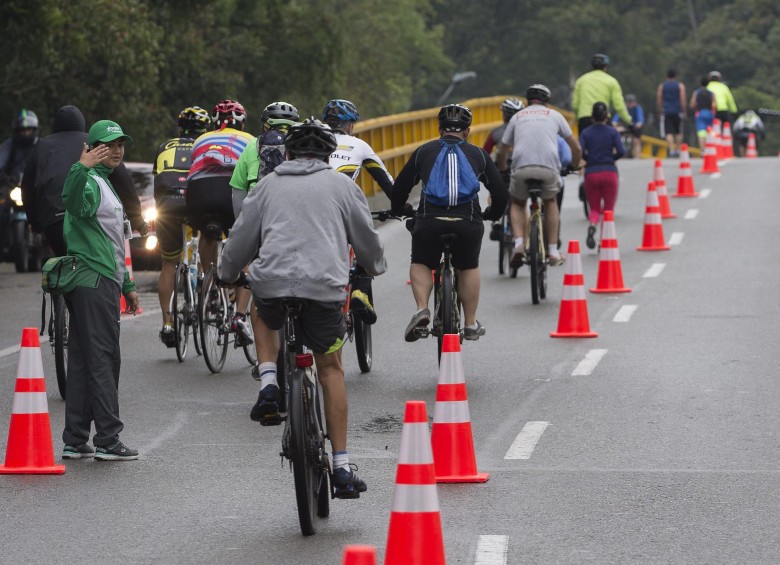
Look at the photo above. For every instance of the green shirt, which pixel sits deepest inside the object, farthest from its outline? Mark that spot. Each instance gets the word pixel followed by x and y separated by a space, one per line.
pixel 247 169
pixel 724 100
pixel 598 86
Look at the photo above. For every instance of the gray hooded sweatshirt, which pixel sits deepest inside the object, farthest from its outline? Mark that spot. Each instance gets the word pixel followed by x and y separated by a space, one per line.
pixel 295 227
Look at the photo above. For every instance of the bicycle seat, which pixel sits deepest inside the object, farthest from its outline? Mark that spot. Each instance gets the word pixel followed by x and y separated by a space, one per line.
pixel 448 238
pixel 534 186
pixel 213 229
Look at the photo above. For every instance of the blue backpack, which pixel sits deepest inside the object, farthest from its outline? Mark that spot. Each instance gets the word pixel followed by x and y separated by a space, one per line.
pixel 452 180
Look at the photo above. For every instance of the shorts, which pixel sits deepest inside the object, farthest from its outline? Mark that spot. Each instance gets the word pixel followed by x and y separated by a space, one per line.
pixel 551 182
pixel 672 124
pixel 209 200
pixel 703 121
pixel 171 212
pixel 427 249
pixel 322 323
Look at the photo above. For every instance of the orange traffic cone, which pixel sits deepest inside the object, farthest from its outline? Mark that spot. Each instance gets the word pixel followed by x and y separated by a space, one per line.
pixel 610 278
pixel 415 537
pixel 660 187
pixel 653 235
pixel 716 136
pixel 685 180
pixel 752 150
pixel 129 266
pixel 573 316
pixel 30 450
pixel 710 163
pixel 359 555
pixel 726 142
pixel 451 437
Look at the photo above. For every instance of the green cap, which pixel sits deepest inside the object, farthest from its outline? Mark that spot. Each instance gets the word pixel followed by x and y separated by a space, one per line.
pixel 105 131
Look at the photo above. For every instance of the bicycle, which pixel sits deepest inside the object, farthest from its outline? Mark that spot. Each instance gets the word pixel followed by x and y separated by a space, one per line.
pixel 357 329
pixel 184 303
pixel 303 439
pixel 501 232
pixel 58 337
pixel 537 250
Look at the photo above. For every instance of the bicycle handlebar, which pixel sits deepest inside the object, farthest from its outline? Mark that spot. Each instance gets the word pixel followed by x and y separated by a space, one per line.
pixel 242 280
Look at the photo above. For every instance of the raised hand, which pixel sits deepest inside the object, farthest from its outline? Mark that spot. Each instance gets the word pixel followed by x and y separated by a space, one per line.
pixel 91 157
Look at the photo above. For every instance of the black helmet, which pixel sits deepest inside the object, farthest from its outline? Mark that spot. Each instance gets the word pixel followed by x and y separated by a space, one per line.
pixel 454 117
pixel 538 92
pixel 338 111
pixel 278 115
pixel 599 61
pixel 511 106
pixel 25 119
pixel 310 137
pixel 194 119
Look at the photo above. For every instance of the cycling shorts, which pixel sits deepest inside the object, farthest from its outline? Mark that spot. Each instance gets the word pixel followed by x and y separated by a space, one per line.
pixel 551 182
pixel 672 124
pixel 427 248
pixel 210 199
pixel 171 212
pixel 322 323
pixel 703 121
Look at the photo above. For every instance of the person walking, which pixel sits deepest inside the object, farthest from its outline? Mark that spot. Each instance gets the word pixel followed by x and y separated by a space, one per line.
pixel 670 99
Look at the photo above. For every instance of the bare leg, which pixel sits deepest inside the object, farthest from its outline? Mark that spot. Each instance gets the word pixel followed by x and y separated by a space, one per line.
pixel 331 375
pixel 468 290
pixel 519 217
pixel 550 221
pixel 165 289
pixel 422 284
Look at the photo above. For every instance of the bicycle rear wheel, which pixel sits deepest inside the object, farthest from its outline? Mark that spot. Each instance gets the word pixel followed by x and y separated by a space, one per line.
pixel 305 460
pixel 505 248
pixel 250 352
pixel 213 323
pixel 180 311
pixel 535 257
pixel 448 308
pixel 61 343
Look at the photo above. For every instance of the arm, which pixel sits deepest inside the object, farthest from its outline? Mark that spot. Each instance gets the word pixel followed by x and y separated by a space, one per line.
pixel 692 102
pixel 244 240
pixel 659 98
pixel 490 143
pixel 640 117
pixel 28 190
pixel 730 100
pixel 575 99
pixel 617 144
pixel 81 196
pixel 683 99
pixel 404 183
pixel 576 151
pixel 499 195
pixel 361 234
pixel 376 168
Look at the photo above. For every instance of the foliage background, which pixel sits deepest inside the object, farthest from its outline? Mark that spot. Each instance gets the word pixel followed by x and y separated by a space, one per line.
pixel 140 61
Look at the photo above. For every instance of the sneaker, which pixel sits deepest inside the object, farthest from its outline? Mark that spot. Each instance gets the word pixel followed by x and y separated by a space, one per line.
pixel 242 329
pixel 556 260
pixel 518 258
pixel 346 483
pixel 256 372
pixel 473 334
pixel 590 241
pixel 420 320
pixel 168 337
pixel 266 409
pixel 361 306
pixel 118 452
pixel 496 232
pixel 82 451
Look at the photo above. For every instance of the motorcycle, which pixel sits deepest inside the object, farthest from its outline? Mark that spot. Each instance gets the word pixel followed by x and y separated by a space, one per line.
pixel 25 248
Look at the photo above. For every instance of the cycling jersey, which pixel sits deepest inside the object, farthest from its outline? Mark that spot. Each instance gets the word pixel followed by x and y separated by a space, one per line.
pixel 724 100
pixel 172 165
pixel 494 138
pixel 215 154
pixel 352 154
pixel 598 86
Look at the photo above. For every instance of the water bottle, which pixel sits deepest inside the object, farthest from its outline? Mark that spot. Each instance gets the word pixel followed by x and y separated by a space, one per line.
pixel 194 278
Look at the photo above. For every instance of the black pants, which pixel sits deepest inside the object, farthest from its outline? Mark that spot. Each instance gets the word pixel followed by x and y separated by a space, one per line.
pixel 93 365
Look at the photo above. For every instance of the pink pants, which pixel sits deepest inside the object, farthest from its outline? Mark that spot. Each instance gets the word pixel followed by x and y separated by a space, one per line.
pixel 601 189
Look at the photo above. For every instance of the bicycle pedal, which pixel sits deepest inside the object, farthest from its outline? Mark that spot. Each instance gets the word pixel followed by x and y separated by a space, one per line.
pixel 272 420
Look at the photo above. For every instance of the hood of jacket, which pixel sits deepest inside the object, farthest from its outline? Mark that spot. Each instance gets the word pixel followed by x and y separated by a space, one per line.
pixel 69 118
pixel 301 166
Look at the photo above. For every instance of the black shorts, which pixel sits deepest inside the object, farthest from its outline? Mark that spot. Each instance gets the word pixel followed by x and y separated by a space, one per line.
pixel 323 322
pixel 672 124
pixel 427 248
pixel 210 200
pixel 171 213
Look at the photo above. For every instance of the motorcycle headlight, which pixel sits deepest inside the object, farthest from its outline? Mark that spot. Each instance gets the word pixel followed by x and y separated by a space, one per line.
pixel 151 242
pixel 150 214
pixel 16 195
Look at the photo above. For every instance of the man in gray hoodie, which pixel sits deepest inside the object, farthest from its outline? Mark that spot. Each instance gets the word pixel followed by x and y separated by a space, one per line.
pixel 295 228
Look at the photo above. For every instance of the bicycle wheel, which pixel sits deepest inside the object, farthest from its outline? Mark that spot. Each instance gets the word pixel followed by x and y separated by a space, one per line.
pixel 250 352
pixel 447 307
pixel 505 248
pixel 180 311
pixel 61 343
pixel 584 199
pixel 213 321
pixel 303 464
pixel 362 333
pixel 534 256
pixel 194 299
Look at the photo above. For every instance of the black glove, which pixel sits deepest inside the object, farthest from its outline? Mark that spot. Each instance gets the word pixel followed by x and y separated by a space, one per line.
pixel 489 214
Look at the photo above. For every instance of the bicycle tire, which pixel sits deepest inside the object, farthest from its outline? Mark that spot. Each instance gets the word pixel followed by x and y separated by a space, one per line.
pixel 584 198
pixel 179 312
pixel 212 321
pixel 61 343
pixel 448 306
pixel 306 481
pixel 363 344
pixel 534 257
pixel 250 352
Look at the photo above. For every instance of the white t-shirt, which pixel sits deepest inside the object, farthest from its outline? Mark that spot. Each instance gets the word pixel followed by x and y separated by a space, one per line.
pixel 533 133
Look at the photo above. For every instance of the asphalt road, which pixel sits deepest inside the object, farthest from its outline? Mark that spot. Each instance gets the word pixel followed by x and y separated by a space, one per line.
pixel 656 442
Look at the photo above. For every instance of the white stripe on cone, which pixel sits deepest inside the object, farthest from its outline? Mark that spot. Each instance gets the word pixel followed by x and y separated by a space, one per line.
pixel 415 498
pixel 30 403
pixel 609 254
pixel 415 445
pixel 451 412
pixel 573 291
pixel 30 363
pixel 451 369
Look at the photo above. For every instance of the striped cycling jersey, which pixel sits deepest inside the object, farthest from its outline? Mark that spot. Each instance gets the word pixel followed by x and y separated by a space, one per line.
pixel 352 154
pixel 216 153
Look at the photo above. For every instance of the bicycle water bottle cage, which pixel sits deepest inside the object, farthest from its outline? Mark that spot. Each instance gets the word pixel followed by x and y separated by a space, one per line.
pixel 213 230
pixel 304 360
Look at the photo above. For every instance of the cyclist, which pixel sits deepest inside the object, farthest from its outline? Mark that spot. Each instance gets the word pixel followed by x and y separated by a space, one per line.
pixel 597 86
pixel 671 105
pixel 462 216
pixel 533 135
pixel 636 126
pixel 209 196
pixel 725 107
pixel 748 123
pixel 330 213
pixel 351 155
pixel 171 167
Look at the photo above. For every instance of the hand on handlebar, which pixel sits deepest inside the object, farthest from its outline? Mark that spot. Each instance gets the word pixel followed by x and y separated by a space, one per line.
pixel 242 280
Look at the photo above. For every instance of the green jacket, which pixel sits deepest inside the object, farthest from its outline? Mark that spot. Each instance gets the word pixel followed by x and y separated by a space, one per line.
pixel 94 225
pixel 598 86
pixel 724 100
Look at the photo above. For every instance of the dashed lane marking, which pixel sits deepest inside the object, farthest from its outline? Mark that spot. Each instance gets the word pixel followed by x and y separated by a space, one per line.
pixel 676 238
pixel 625 313
pixel 587 365
pixel 691 214
pixel 491 550
pixel 654 270
pixel 705 192
pixel 715 176
pixel 9 351
pixel 525 442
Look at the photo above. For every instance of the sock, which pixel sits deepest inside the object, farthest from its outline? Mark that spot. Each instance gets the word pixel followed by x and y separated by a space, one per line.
pixel 167 327
pixel 340 460
pixel 267 374
pixel 552 250
pixel 472 327
pixel 519 241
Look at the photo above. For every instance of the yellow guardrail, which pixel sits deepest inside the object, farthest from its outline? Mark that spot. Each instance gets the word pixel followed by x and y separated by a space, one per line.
pixel 395 137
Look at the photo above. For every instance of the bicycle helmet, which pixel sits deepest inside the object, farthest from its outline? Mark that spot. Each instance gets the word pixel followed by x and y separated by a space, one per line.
pixel 599 61
pixel 538 92
pixel 228 112
pixel 630 98
pixel 279 115
pixel 339 111
pixel 454 117
pixel 511 106
pixel 194 119
pixel 310 138
pixel 24 119
pixel 714 75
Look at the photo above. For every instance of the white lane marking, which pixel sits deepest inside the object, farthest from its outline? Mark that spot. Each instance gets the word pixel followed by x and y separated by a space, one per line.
pixel 654 270
pixel 691 214
pixel 590 362
pixel 625 313
pixel 491 550
pixel 526 440
pixel 167 434
pixel 676 238
pixel 705 192
pixel 9 351
pixel 715 176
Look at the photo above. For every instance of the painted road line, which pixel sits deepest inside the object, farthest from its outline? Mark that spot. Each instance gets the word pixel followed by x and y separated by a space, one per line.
pixel 654 270
pixel 676 238
pixel 691 214
pixel 590 362
pixel 9 351
pixel 715 176
pixel 705 193
pixel 526 440
pixel 491 550
pixel 625 313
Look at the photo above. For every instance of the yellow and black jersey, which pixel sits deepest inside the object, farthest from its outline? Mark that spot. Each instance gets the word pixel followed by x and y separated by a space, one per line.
pixel 172 165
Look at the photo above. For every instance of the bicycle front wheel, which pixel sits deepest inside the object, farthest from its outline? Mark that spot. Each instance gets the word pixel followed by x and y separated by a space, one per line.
pixel 362 333
pixel 61 343
pixel 250 352
pixel 213 323
pixel 180 311
pixel 304 461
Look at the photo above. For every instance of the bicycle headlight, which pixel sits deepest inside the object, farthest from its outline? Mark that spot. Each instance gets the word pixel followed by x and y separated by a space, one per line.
pixel 151 242
pixel 150 214
pixel 16 195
